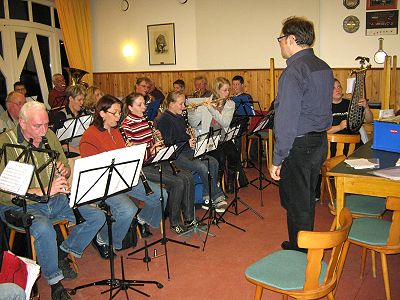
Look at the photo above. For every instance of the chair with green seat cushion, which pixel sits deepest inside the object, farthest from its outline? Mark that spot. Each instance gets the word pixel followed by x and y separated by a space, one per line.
pixel 359 205
pixel 301 275
pixel 378 235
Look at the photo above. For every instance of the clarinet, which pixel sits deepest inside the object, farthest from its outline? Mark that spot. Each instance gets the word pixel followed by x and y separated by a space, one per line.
pixel 174 169
pixel 142 177
pixel 78 217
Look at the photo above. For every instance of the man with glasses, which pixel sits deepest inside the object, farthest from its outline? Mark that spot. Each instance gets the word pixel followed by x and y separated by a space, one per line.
pixel 9 118
pixel 302 116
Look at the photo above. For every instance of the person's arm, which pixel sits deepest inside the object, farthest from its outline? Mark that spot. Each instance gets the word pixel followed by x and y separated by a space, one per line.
pixel 337 128
pixel 224 118
pixel 368 116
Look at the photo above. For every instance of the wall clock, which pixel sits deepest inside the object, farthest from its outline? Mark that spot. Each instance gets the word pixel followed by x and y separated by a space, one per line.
pixel 351 24
pixel 351 4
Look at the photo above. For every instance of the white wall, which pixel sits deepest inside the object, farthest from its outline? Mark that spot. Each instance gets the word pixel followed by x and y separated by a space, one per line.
pixel 226 34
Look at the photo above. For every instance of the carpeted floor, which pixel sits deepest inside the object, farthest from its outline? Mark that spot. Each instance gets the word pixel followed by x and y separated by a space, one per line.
pixel 218 271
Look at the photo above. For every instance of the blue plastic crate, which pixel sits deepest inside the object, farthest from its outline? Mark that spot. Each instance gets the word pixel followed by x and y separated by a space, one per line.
pixel 386 136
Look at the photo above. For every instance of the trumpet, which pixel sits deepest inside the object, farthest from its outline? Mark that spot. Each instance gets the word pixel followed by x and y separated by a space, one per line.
pixel 142 177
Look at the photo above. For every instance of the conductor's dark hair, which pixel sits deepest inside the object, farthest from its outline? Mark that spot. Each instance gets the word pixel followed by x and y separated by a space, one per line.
pixel 301 28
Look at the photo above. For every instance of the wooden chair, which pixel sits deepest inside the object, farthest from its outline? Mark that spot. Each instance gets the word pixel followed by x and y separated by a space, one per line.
pixel 359 205
pixel 378 235
pixel 62 223
pixel 340 140
pixel 299 275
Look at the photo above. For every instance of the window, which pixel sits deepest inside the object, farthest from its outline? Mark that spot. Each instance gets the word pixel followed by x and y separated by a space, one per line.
pixel 41 14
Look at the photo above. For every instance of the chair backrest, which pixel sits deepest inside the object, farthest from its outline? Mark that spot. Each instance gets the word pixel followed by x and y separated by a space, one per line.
pixel 393 203
pixel 328 165
pixel 341 140
pixel 317 243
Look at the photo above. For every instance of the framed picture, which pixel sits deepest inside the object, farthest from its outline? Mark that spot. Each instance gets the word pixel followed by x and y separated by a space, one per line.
pixel 161 41
pixel 381 4
pixel 382 22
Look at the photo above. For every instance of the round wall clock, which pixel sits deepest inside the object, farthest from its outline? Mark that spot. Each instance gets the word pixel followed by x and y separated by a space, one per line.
pixel 351 24
pixel 351 4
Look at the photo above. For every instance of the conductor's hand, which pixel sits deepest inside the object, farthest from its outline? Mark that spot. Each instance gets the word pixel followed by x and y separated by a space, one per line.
pixel 275 172
pixel 59 185
pixel 192 143
pixel 64 171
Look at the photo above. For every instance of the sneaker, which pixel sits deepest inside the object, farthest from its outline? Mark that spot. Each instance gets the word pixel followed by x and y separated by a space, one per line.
pixel 179 229
pixel 218 209
pixel 65 267
pixel 220 200
pixel 194 222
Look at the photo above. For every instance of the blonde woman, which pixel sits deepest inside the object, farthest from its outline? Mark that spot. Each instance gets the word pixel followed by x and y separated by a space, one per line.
pixel 93 95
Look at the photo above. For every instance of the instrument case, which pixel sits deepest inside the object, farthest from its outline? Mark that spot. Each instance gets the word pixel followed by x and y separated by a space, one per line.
pixel 386 136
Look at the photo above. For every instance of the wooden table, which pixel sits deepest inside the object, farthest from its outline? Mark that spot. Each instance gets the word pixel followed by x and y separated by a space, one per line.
pixel 349 180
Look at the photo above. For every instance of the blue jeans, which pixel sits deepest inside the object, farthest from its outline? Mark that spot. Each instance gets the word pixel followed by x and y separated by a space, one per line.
pixel 45 236
pixel 186 161
pixel 11 291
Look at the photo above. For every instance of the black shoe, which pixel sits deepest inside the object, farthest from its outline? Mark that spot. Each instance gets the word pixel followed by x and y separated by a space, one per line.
pixel 286 245
pixel 144 230
pixel 58 292
pixel 64 266
pixel 103 250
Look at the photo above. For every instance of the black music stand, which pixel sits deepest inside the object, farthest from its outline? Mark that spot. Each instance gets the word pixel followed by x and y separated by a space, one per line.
pixel 164 154
pixel 73 128
pixel 229 136
pixel 262 124
pixel 109 180
pixel 205 143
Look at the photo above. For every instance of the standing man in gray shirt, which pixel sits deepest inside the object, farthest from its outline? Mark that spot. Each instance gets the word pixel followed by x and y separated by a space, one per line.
pixel 302 116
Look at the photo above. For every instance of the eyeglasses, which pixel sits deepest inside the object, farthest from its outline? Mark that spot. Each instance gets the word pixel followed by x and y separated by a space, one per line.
pixel 281 37
pixel 116 113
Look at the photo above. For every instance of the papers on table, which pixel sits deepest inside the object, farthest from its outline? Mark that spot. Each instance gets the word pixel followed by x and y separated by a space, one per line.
pixel 390 173
pixel 362 163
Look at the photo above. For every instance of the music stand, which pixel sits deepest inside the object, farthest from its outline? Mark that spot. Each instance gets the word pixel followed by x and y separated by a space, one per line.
pixel 262 124
pixel 101 176
pixel 72 128
pixel 164 154
pixel 205 143
pixel 230 135
pixel 25 172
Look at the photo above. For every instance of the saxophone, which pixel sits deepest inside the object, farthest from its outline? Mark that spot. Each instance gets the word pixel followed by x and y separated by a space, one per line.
pixel 142 177
pixel 355 114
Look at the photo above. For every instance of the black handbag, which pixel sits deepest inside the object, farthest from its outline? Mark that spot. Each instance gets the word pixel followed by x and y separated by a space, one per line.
pixel 130 239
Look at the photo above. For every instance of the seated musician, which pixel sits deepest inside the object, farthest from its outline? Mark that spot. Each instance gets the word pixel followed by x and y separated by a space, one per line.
pixel 152 105
pixel 9 118
pixel 157 95
pixel 179 86
pixel 173 129
pixel 340 107
pixel 93 95
pixel 74 109
pixel 103 135
pixel 218 115
pixel 243 108
pixel 33 125
pixel 180 186
pixel 57 95
pixel 20 88
pixel 201 85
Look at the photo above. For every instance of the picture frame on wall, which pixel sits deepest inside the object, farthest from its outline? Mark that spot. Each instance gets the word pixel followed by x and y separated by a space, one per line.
pixel 382 22
pixel 161 43
pixel 381 4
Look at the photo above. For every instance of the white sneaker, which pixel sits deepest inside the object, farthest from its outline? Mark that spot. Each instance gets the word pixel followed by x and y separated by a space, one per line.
pixel 219 209
pixel 220 200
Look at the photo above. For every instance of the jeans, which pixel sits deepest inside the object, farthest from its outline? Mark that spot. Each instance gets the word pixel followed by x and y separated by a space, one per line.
pixel 45 237
pixel 299 177
pixel 11 291
pixel 123 210
pixel 180 189
pixel 201 166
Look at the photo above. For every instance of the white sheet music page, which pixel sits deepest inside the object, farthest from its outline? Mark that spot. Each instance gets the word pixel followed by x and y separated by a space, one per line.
pixel 16 177
pixel 33 273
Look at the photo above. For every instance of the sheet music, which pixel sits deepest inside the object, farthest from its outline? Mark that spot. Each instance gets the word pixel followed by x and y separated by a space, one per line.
pixel 67 131
pixel 92 183
pixel 164 153
pixel 362 163
pixel 33 270
pixel 390 173
pixel 16 177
